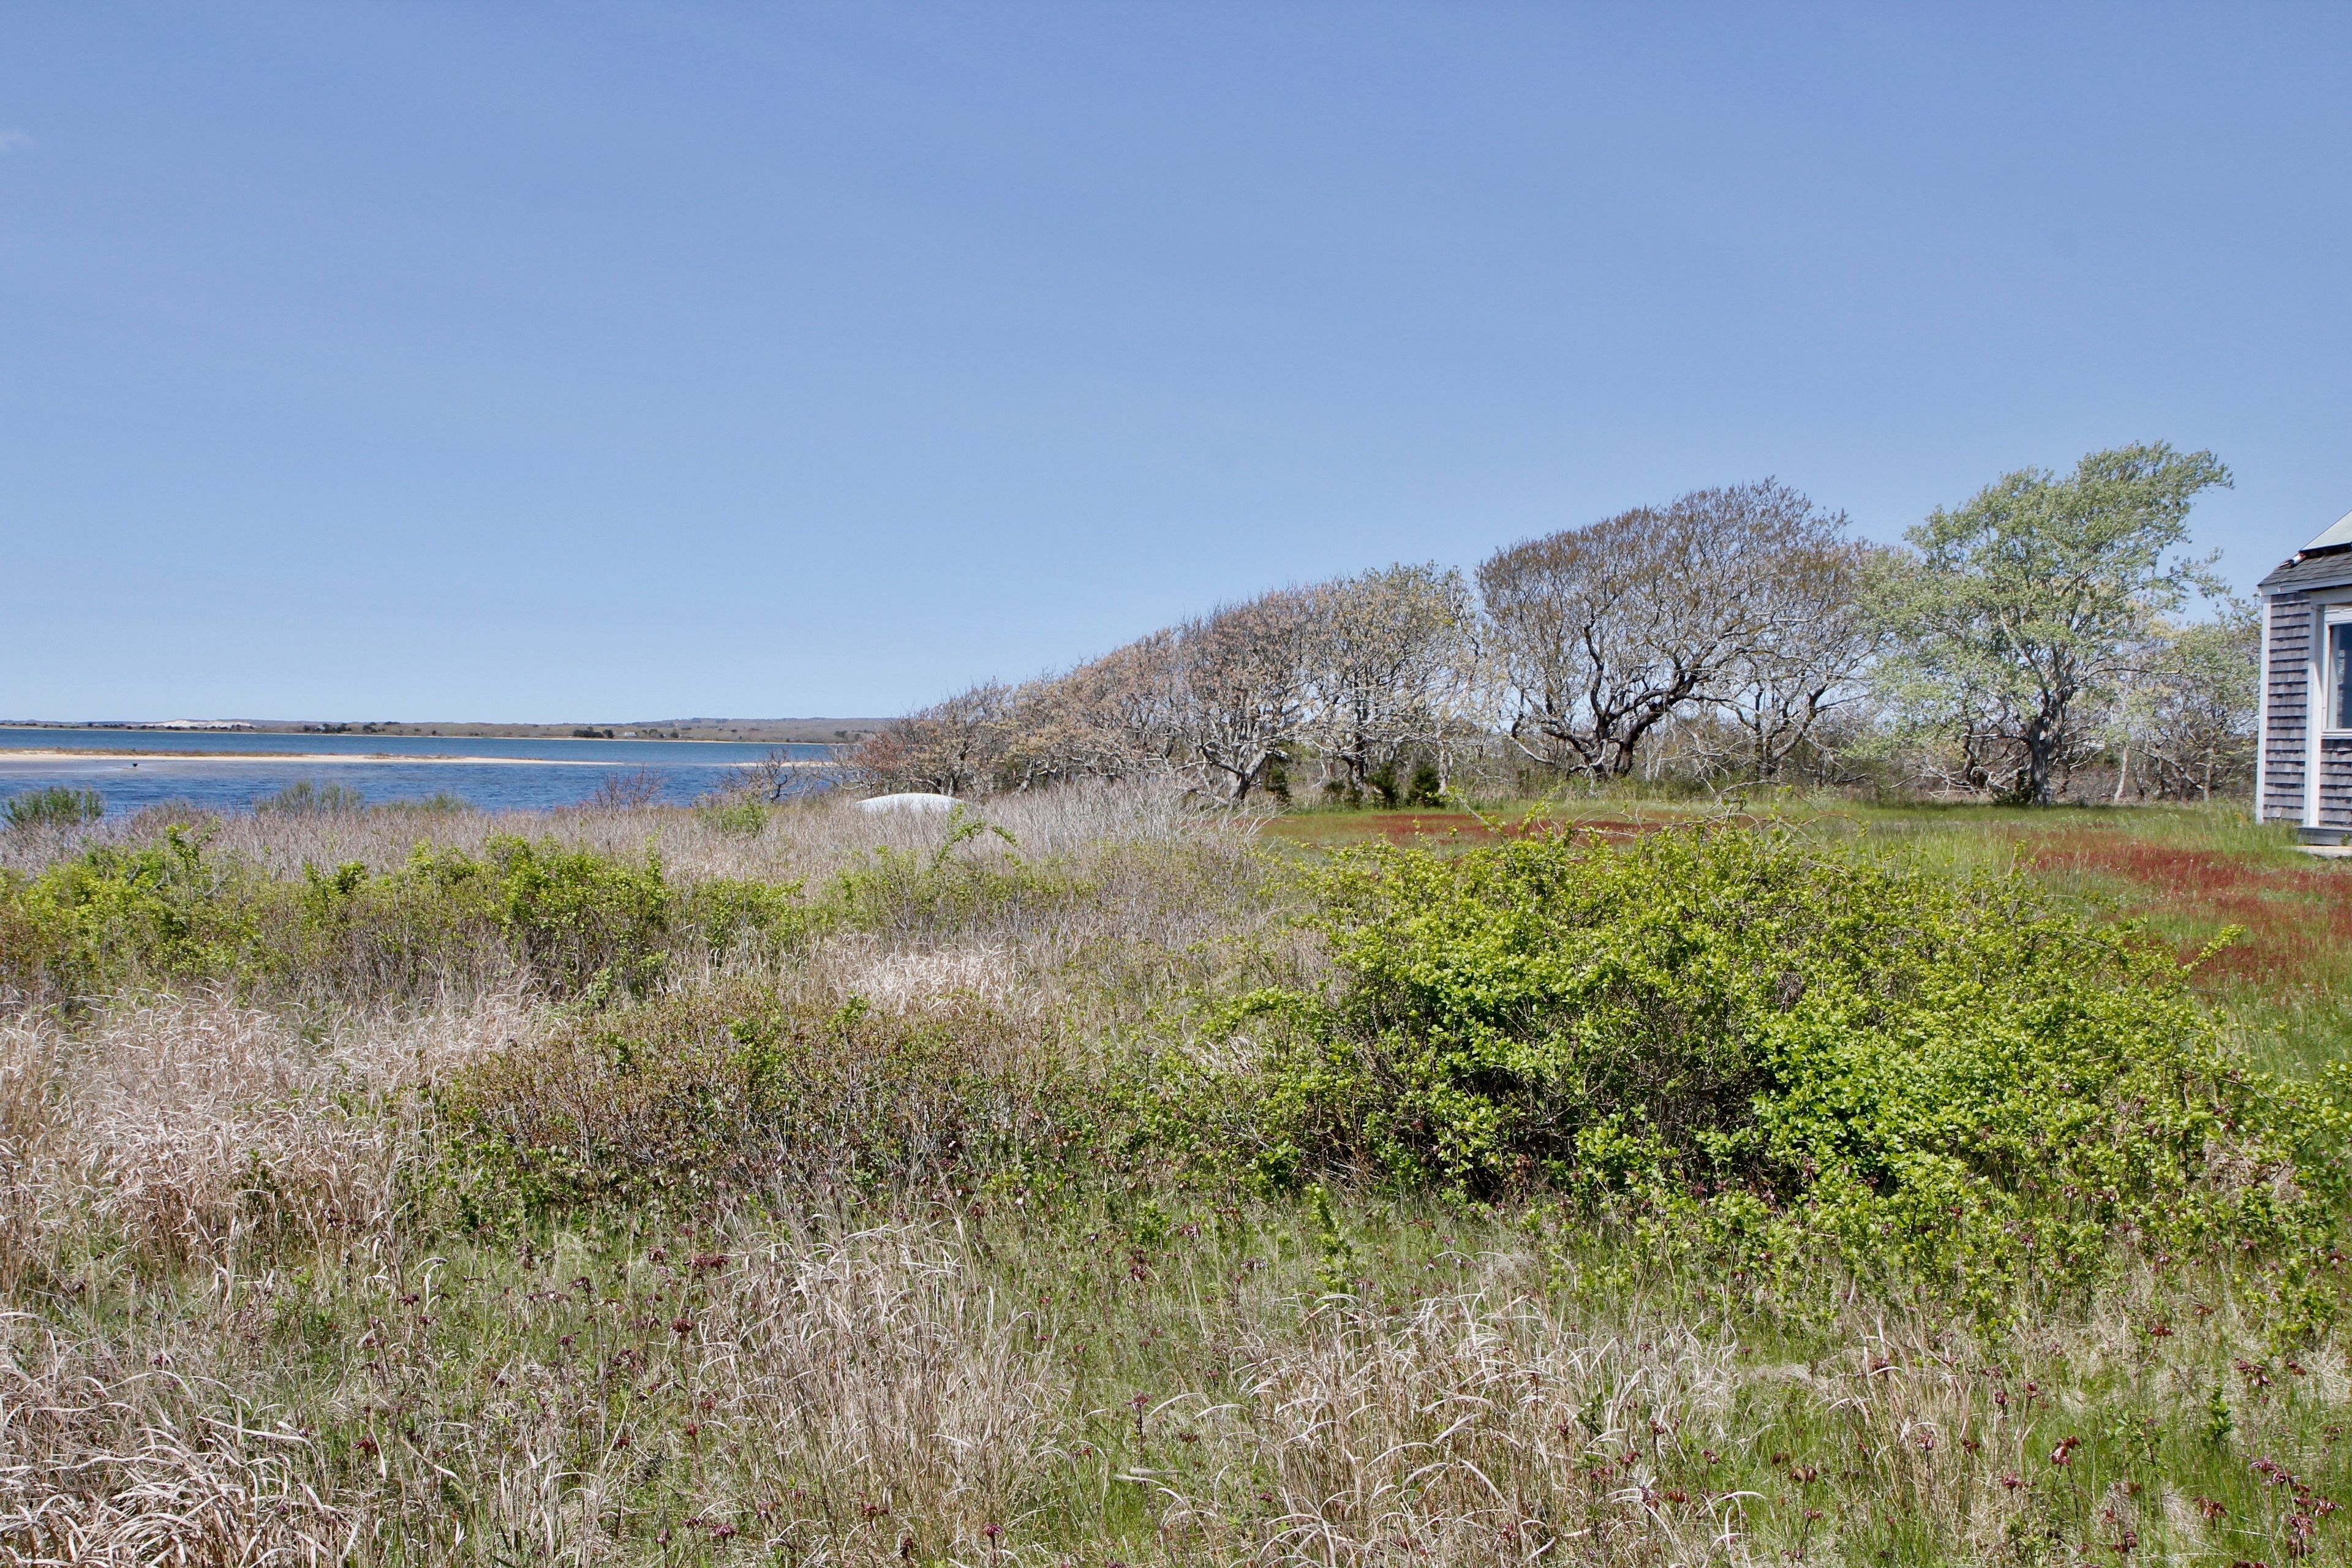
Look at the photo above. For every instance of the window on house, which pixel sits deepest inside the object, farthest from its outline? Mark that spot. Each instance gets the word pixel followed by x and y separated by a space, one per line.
pixel 2339 676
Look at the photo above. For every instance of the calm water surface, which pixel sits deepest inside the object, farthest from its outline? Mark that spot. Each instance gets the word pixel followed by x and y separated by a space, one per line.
pixel 542 774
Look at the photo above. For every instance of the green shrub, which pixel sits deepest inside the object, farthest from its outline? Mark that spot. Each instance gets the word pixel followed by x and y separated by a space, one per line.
pixel 55 807
pixel 112 918
pixel 572 913
pixel 89 925
pixel 440 801
pixel 308 797
pixel 913 893
pixel 744 818
pixel 1795 1048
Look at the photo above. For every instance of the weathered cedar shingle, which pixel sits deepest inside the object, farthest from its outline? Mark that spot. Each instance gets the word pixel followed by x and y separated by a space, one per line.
pixel 2291 627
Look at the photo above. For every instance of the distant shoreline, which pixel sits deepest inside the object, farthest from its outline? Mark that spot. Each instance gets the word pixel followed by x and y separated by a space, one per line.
pixel 834 732
pixel 97 753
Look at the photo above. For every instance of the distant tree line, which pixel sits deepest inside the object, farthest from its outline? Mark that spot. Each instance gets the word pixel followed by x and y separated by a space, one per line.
pixel 2022 646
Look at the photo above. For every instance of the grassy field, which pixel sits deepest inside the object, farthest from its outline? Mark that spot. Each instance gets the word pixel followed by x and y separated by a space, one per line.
pixel 788 1185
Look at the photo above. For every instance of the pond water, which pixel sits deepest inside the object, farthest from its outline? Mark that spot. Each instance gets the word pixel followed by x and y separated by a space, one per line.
pixel 229 770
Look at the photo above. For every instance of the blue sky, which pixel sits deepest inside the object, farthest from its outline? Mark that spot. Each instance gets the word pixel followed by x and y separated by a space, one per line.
pixel 582 361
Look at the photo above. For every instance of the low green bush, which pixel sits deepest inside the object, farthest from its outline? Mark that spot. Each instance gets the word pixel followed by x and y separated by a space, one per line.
pixel 743 818
pixel 1786 1048
pixel 113 919
pixel 441 802
pixel 55 807
pixel 309 797
pixel 914 893
pixel 88 924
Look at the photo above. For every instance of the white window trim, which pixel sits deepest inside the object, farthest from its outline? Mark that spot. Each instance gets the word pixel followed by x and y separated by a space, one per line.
pixel 2329 607
pixel 2331 616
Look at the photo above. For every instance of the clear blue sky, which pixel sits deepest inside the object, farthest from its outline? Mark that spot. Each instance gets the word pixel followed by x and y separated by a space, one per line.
pixel 570 361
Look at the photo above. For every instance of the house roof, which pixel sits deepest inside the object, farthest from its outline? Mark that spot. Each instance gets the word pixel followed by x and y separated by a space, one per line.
pixel 2325 562
pixel 2339 534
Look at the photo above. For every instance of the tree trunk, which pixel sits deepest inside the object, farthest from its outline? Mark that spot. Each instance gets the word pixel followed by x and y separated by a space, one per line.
pixel 2033 786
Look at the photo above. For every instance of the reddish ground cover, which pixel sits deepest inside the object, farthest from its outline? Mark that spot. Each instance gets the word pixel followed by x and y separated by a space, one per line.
pixel 2298 919
pixel 1434 827
pixel 1436 830
pixel 1407 826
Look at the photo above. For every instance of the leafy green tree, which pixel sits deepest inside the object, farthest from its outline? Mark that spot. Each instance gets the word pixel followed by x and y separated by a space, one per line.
pixel 2020 612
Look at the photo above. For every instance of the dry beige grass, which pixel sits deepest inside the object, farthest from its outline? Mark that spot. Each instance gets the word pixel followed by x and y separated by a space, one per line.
pixel 1465 1431
pixel 94 1469
pixel 181 1127
pixel 805 840
pixel 917 981
pixel 882 1367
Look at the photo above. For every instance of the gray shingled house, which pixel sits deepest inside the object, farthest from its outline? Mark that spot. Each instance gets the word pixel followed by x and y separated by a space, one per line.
pixel 2303 771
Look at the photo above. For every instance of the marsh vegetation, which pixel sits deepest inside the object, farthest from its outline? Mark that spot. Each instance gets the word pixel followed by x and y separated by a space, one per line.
pixel 1100 1181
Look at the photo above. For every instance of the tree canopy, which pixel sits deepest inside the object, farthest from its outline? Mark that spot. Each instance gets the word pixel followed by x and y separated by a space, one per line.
pixel 2033 595
pixel 1738 634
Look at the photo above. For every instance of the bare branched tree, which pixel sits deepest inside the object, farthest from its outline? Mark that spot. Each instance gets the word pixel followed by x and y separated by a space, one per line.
pixel 1246 684
pixel 1737 614
pixel 1599 633
pixel 631 791
pixel 771 777
pixel 1387 651
pixel 1816 640
pixel 954 746
pixel 1111 718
